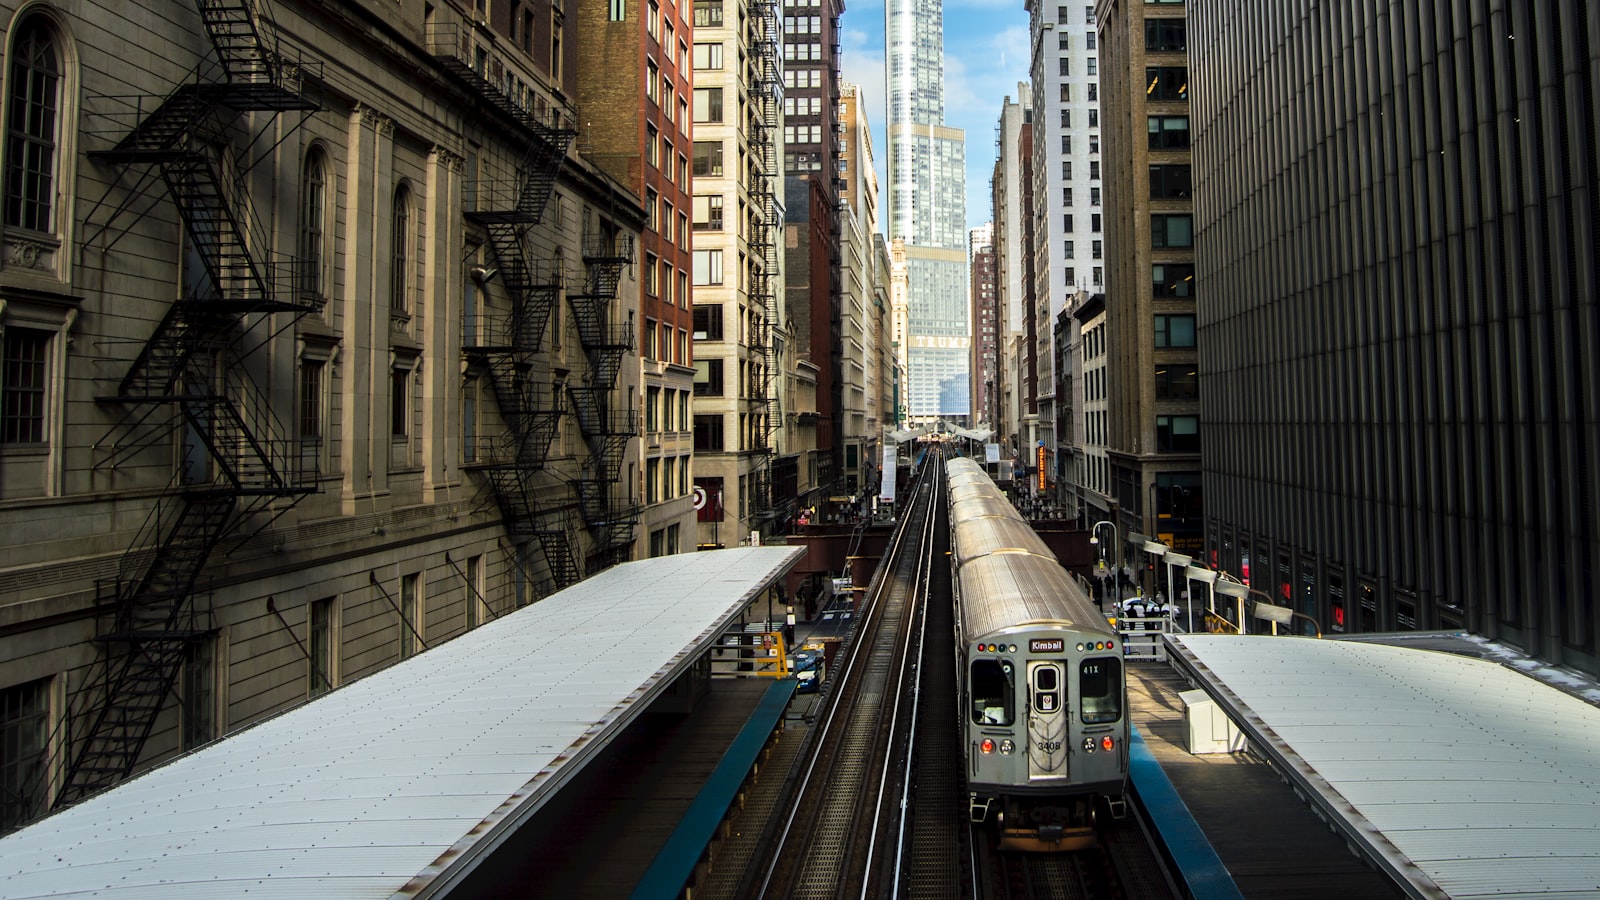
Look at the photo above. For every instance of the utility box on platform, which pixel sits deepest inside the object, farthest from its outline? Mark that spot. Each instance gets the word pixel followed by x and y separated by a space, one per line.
pixel 1207 728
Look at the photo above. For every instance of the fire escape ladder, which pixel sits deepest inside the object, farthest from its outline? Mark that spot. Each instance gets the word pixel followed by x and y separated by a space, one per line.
pixel 533 291
pixel 487 76
pixel 192 359
pixel 155 617
pixel 560 555
pixel 766 93
pixel 186 330
pixel 612 516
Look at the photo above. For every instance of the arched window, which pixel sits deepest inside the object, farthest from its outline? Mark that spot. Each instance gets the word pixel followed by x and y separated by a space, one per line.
pixel 33 107
pixel 313 221
pixel 400 280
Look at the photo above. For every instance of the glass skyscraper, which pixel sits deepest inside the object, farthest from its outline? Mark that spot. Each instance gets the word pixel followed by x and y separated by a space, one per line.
pixel 927 208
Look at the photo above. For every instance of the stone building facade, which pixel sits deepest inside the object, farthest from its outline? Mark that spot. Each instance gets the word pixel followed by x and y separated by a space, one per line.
pixel 311 359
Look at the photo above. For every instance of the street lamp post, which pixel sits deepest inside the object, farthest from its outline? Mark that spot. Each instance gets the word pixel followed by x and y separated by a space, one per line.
pixel 1094 538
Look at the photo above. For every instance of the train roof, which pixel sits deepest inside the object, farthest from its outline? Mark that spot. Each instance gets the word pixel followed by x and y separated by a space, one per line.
pixel 1004 590
pixel 404 781
pixel 972 502
pixel 976 537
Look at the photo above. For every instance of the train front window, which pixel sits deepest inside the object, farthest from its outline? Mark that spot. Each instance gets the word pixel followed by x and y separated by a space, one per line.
pixel 991 690
pixel 1100 689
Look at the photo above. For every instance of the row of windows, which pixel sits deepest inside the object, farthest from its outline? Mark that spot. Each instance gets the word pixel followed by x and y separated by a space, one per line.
pixel 666 478
pixel 1067 219
pixel 659 343
pixel 1066 143
pixel 1091 66
pixel 1064 40
pixel 710 431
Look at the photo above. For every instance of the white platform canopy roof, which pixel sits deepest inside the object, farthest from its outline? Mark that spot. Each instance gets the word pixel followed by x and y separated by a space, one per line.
pixel 1462 777
pixel 401 781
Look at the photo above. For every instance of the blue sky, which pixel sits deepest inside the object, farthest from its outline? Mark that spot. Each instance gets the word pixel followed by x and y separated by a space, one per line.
pixel 985 55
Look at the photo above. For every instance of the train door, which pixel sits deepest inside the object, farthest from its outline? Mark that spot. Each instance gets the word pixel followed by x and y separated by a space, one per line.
pixel 1047 721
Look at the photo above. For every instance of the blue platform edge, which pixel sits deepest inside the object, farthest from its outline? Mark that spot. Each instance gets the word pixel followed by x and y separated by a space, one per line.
pixel 1194 861
pixel 673 865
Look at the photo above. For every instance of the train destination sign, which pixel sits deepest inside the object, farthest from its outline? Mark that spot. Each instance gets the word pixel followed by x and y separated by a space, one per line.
pixel 1047 645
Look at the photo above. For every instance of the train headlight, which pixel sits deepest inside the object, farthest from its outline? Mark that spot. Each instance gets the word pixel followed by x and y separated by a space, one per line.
pixel 1106 743
pixel 1088 745
pixel 1006 746
pixel 987 746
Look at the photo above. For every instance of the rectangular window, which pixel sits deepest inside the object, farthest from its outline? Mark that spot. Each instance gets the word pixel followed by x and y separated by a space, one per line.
pixel 708 158
pixel 24 738
pixel 1165 35
pixel 708 267
pixel 708 13
pixel 708 212
pixel 708 104
pixel 474 586
pixel 319 668
pixel 399 402
pixel 1064 66
pixel 22 378
pixel 199 710
pixel 1171 230
pixel 410 614
pixel 1178 434
pixel 651 283
pixel 707 56
pixel 1178 382
pixel 708 322
pixel 1172 280
pixel 1166 83
pixel 1100 690
pixel 1094 166
pixel 1094 66
pixel 992 690
pixel 652 81
pixel 1170 183
pixel 1168 132
pixel 708 434
pixel 708 378
pixel 1174 331
pixel 652 481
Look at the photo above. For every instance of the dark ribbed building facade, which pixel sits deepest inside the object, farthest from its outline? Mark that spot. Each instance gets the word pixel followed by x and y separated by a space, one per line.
pixel 1399 345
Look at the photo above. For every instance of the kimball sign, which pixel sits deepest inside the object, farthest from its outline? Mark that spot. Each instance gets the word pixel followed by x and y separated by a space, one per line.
pixel 1042 485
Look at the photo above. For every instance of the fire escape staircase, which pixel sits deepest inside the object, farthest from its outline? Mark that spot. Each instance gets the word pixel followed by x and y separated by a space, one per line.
pixel 191 361
pixel 764 402
pixel 506 348
pixel 604 500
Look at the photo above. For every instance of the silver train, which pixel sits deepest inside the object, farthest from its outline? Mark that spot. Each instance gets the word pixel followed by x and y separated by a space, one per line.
pixel 1043 701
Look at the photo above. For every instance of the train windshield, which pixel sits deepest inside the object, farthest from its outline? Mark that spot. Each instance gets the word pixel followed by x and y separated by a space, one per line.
pixel 992 692
pixel 1100 689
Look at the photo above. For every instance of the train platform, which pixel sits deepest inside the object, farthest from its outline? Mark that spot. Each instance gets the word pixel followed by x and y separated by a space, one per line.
pixel 1271 843
pixel 1382 766
pixel 410 780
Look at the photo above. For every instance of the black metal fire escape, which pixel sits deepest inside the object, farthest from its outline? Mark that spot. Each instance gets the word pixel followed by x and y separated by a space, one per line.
pixel 766 225
pixel 506 348
pixel 605 499
pixel 236 456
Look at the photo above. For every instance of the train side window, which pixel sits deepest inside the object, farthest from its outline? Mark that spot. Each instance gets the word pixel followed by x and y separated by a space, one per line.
pixel 991 690
pixel 1100 689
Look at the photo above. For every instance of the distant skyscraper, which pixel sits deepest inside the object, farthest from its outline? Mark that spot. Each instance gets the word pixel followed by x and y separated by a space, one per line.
pixel 927 208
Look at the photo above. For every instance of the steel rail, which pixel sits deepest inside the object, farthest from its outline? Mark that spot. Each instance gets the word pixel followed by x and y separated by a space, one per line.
pixel 849 678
